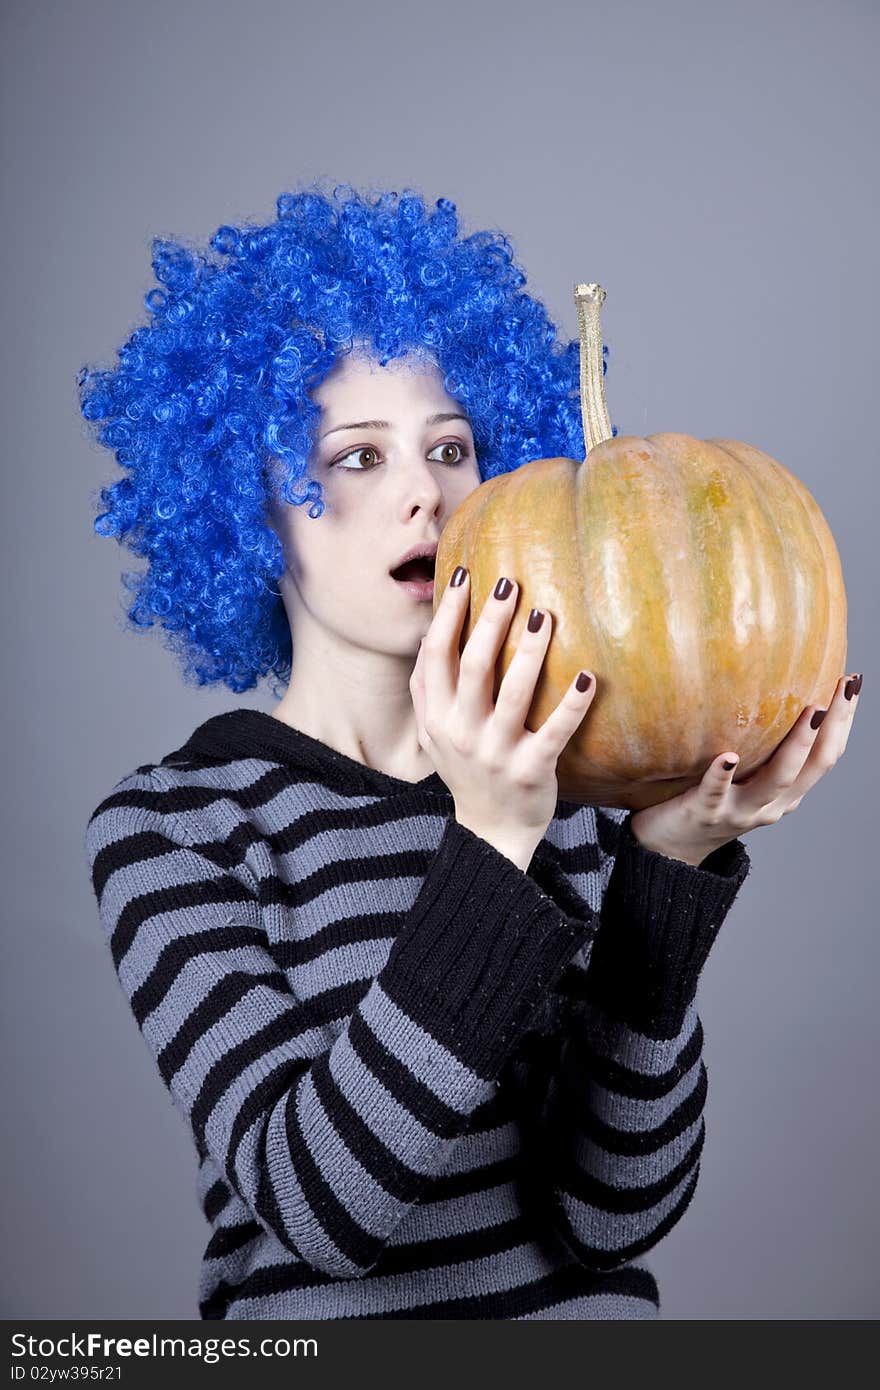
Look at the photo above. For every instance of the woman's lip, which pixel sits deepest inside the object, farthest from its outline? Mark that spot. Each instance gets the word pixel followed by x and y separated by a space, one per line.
pixel 420 589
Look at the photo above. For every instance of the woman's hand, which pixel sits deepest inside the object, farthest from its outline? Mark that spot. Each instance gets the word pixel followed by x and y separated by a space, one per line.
pixel 707 816
pixel 502 776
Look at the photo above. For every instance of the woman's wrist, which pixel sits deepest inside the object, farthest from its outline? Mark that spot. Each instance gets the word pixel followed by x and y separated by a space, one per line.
pixel 688 854
pixel 520 851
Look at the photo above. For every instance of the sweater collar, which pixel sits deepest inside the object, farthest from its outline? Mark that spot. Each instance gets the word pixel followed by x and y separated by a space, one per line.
pixel 252 733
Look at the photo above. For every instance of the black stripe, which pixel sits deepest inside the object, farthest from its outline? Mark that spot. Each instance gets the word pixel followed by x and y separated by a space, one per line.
pixel 177 953
pixel 267 1208
pixel 631 1143
pixel 581 1064
pixel 328 1212
pixel 264 1095
pixel 341 873
pixel 217 1003
pixel 301 1017
pixel 357 1245
pixel 145 798
pixel 216 1198
pixel 578 859
pixel 626 1200
pixel 608 832
pixel 395 1176
pixel 423 1104
pixel 342 931
pixel 227 1239
pixel 599 1259
pixel 135 850
pixel 305 826
pixel 447 1185
pixel 237 1059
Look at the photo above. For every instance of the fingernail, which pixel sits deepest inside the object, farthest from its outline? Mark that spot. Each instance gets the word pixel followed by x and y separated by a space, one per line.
pixel 458 576
pixel 850 688
pixel 728 767
pixel 817 718
pixel 583 681
pixel 503 588
pixel 859 686
pixel 536 617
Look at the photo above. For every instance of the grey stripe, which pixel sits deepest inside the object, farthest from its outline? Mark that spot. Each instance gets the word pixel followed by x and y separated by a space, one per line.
pixel 596 1308
pixel 636 1170
pixel 650 1056
pixel 385 1293
pixel 591 1224
pixel 634 1115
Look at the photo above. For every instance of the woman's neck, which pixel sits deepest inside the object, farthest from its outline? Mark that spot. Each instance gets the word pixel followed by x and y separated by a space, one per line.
pixel 405 760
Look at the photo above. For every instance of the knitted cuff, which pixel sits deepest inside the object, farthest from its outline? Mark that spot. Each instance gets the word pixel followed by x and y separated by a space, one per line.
pixel 546 870
pixel 479 951
pixel 659 919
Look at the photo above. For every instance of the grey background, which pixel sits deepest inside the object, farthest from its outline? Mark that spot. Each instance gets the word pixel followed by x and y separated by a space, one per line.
pixel 714 167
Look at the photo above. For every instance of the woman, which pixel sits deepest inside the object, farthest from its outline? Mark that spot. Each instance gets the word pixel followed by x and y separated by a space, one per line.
pixel 433 1030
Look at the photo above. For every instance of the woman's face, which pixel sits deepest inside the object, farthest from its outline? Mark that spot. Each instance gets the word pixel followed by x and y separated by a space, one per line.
pixel 386 488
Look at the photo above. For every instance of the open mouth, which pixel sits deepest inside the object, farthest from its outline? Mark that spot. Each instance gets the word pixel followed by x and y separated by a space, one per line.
pixel 416 576
pixel 420 569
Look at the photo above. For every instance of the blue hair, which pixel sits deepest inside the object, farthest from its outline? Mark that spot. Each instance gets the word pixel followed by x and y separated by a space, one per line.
pixel 210 398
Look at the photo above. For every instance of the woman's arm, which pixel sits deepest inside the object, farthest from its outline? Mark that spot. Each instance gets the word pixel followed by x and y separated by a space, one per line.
pixel 613 1094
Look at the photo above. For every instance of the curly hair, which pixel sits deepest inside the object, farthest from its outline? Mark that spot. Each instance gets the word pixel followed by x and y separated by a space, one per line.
pixel 211 398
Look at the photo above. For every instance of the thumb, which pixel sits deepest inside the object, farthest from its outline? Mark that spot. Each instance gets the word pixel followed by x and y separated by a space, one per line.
pixel 720 776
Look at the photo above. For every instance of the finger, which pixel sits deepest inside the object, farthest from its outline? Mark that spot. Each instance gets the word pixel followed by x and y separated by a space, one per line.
pixel 562 722
pixel 828 743
pixel 517 689
pixel 834 730
pixel 440 644
pixel 476 678
pixel 786 768
pixel 715 784
pixel 854 686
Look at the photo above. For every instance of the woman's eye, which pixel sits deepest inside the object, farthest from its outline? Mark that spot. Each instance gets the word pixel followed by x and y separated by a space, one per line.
pixel 463 452
pixel 340 462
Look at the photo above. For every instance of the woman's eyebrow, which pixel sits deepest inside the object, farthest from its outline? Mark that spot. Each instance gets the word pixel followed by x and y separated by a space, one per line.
pixel 385 424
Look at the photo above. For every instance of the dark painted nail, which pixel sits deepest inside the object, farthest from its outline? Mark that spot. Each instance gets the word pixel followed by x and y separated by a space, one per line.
pixel 458 576
pixel 728 767
pixel 536 617
pixel 503 588
pixel 849 689
pixel 859 686
pixel 817 718
pixel 583 681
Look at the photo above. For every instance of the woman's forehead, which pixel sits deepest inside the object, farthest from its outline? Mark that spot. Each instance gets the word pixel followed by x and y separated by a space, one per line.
pixel 361 374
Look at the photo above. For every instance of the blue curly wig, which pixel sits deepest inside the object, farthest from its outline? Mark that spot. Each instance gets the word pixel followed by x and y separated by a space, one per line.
pixel 211 397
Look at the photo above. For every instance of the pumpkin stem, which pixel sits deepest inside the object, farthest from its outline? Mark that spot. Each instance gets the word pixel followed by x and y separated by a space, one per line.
pixel 594 412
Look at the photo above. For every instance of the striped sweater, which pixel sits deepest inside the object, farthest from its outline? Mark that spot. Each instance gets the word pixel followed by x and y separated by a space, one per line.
pixel 421 1082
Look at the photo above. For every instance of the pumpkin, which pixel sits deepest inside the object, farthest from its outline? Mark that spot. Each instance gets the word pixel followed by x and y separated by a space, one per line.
pixel 696 578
